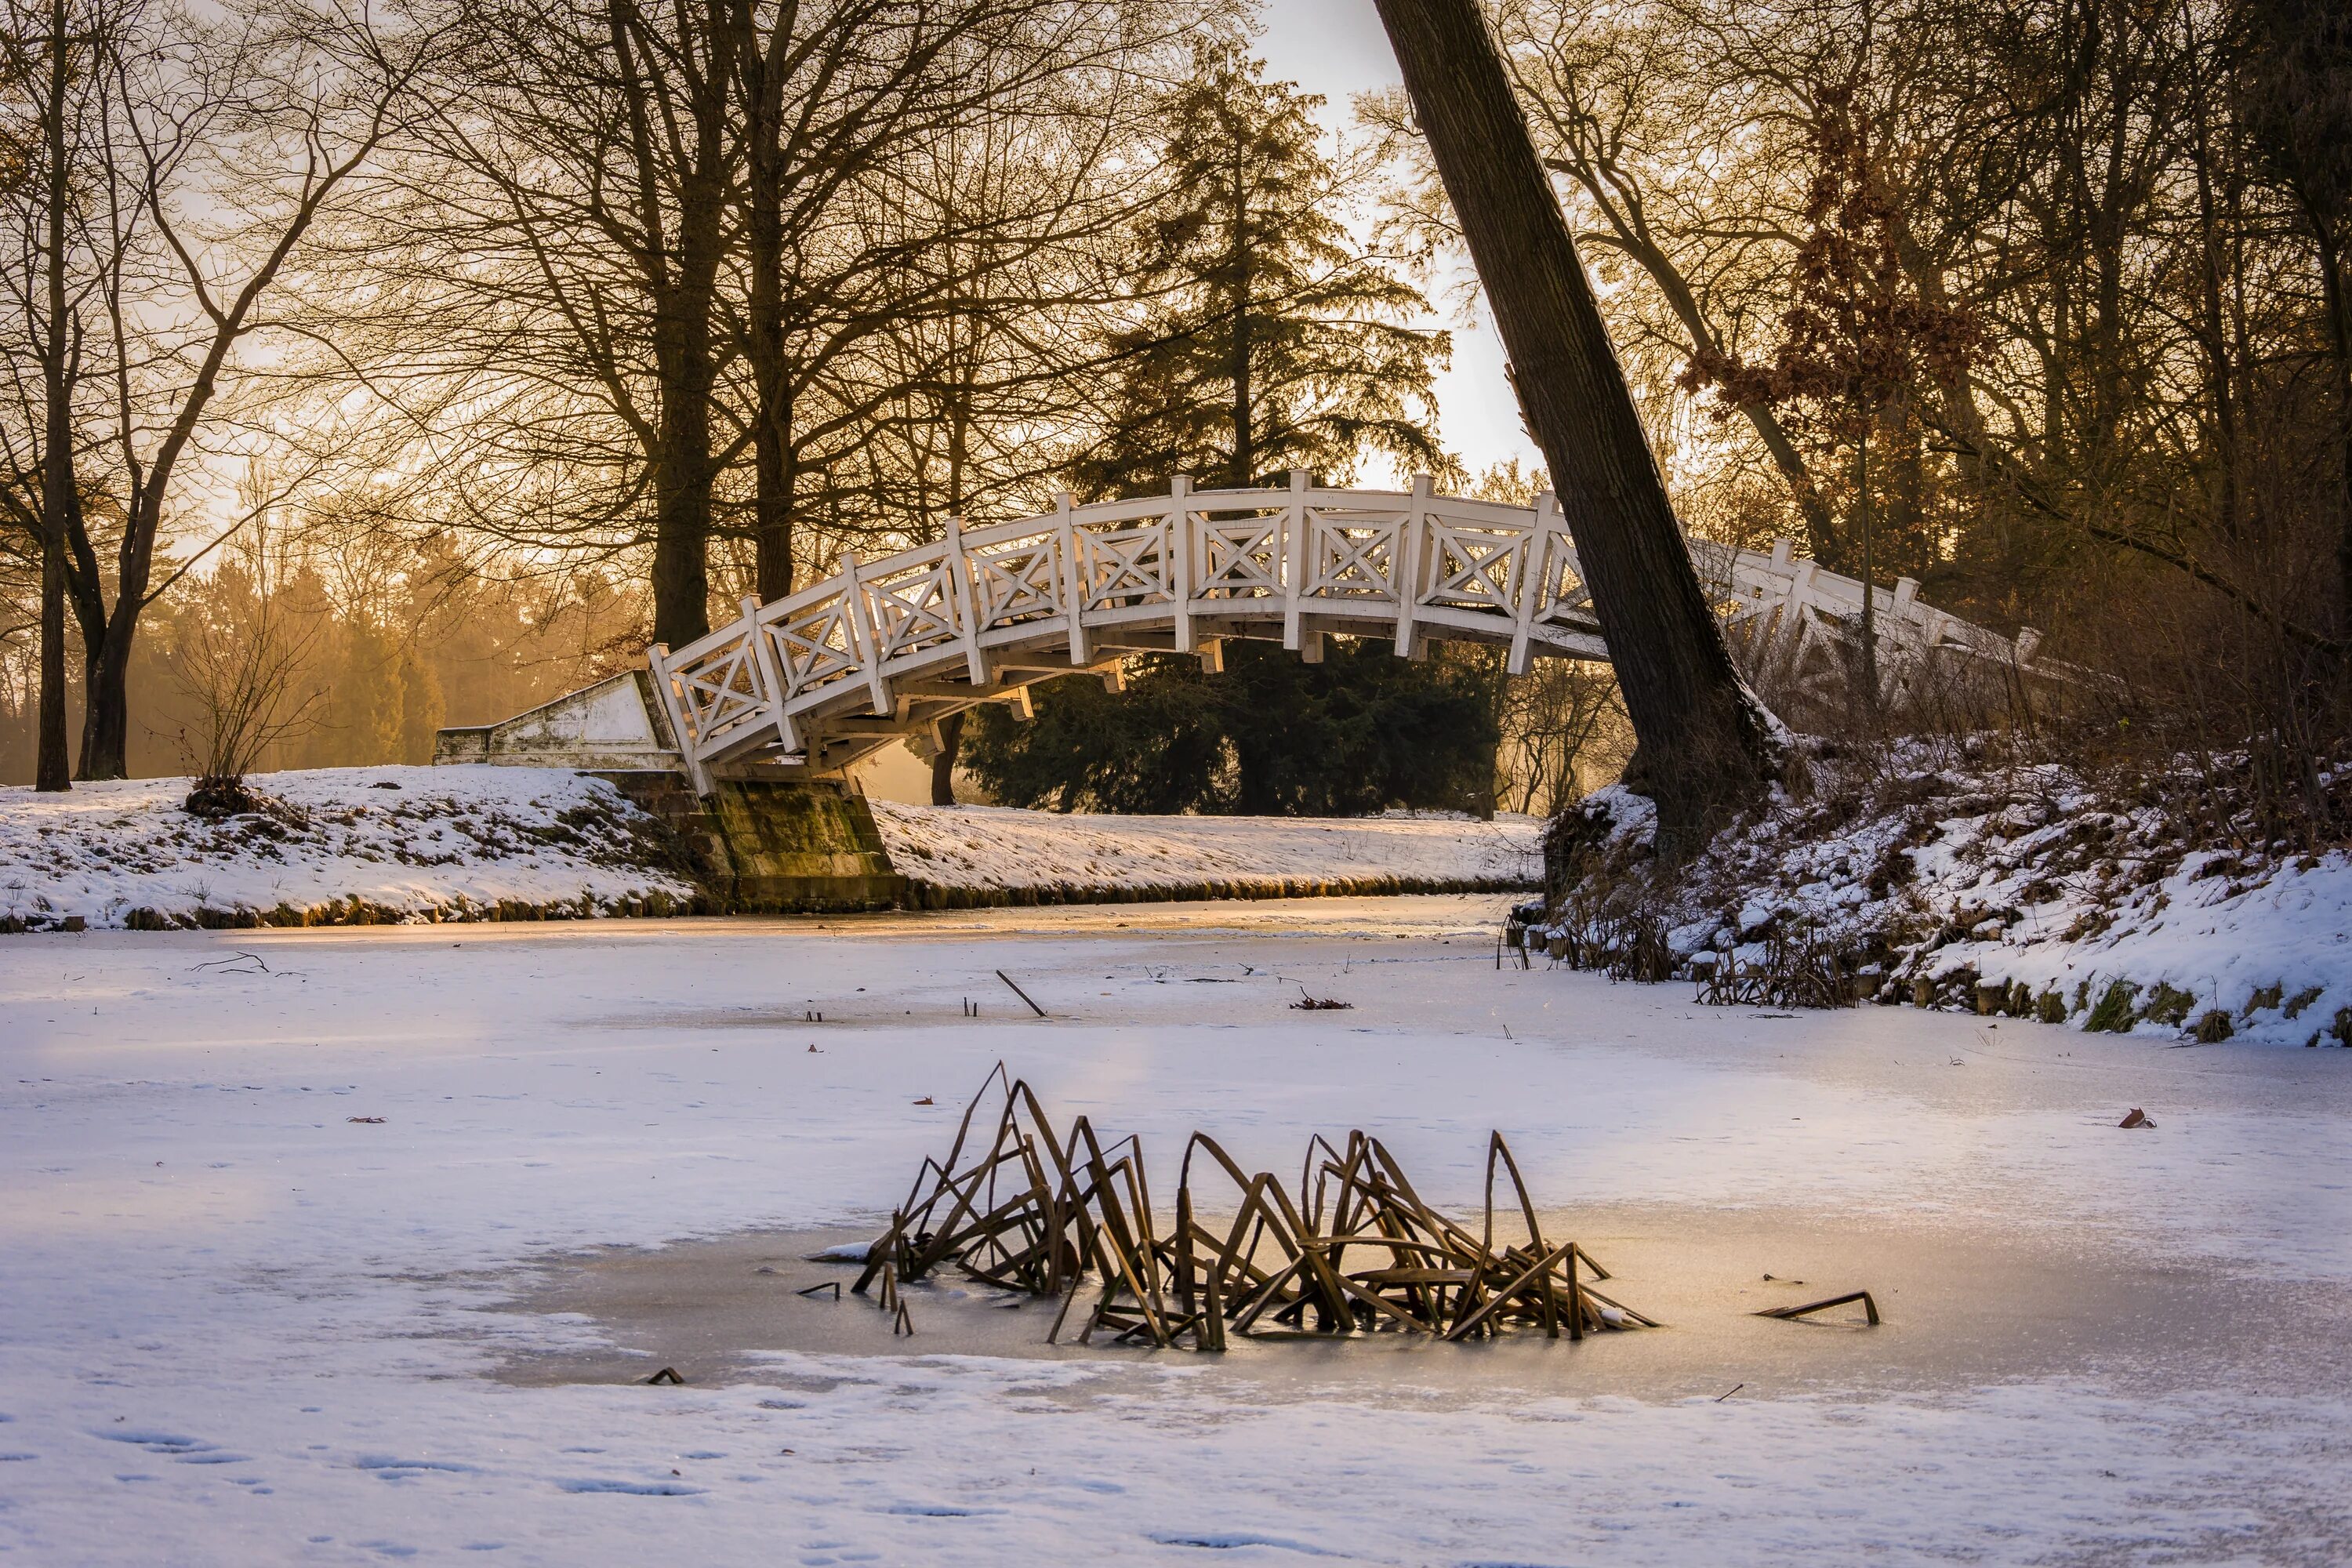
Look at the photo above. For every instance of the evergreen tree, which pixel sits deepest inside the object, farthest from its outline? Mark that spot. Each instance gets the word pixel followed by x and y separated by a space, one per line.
pixel 1272 735
pixel 1272 340
pixel 1269 338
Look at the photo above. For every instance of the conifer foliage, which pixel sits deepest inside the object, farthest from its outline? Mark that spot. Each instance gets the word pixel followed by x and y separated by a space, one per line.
pixel 1271 735
pixel 1267 337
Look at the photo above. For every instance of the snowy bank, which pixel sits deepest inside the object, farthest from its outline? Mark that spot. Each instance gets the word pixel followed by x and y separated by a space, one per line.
pixel 2019 890
pixel 999 854
pixel 336 846
pixel 369 845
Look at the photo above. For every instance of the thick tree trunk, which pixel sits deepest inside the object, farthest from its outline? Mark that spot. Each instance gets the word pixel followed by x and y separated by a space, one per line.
pixel 2219 372
pixel 106 726
pixel 943 763
pixel 776 475
pixel 682 281
pixel 2339 331
pixel 682 466
pixel 1705 746
pixel 1245 454
pixel 109 636
pixel 774 463
pixel 57 431
pixel 51 771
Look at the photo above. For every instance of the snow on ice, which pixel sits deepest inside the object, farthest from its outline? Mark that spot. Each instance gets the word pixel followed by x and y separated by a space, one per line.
pixel 244 1322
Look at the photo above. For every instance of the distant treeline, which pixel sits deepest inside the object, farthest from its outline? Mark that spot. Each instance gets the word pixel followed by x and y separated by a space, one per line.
pixel 374 653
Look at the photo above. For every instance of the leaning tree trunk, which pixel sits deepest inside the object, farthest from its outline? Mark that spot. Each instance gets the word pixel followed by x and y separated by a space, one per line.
pixel 1706 745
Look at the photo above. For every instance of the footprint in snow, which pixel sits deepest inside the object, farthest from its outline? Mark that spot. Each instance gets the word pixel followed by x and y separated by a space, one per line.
pixel 1227 1540
pixel 396 1469
pixel 633 1488
pixel 187 1450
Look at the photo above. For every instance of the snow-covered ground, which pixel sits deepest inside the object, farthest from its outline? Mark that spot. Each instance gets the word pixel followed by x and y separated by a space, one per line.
pixel 2107 914
pixel 395 842
pixel 998 846
pixel 243 1321
pixel 391 844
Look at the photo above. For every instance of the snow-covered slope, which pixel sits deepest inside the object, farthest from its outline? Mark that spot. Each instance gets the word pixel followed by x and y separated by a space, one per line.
pixel 1962 877
pixel 991 847
pixel 335 846
pixel 346 846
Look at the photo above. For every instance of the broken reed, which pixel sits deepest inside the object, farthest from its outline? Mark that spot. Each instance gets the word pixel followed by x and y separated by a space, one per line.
pixel 1354 1250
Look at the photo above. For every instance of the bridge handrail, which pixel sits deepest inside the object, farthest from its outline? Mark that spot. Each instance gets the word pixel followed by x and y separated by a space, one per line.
pixel 1420 562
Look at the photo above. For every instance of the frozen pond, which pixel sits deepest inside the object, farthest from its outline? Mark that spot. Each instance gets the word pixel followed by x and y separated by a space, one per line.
pixel 239 1326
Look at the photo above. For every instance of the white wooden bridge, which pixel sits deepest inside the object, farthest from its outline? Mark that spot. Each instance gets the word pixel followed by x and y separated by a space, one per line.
pixel 884 649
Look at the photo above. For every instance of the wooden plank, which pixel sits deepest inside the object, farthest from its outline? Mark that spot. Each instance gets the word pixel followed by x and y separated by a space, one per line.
pixel 1869 1307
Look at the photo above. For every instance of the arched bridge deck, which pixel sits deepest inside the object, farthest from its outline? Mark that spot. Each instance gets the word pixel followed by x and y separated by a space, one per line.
pixel 884 649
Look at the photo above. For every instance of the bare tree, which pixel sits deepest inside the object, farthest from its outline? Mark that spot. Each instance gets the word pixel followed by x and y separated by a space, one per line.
pixel 670 268
pixel 208 147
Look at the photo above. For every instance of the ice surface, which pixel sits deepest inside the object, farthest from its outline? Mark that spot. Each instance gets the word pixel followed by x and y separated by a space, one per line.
pixel 237 1327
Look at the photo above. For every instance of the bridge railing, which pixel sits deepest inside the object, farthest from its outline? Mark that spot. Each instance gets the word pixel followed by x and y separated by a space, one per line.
pixel 1192 567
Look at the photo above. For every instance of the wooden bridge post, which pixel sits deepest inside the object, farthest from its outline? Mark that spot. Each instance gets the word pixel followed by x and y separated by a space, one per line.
pixel 1074 578
pixel 1405 566
pixel 680 731
pixel 1532 583
pixel 962 602
pixel 1294 553
pixel 862 634
pixel 1178 558
pixel 771 676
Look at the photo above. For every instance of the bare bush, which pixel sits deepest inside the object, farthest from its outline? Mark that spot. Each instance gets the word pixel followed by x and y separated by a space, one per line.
pixel 246 684
pixel 1564 735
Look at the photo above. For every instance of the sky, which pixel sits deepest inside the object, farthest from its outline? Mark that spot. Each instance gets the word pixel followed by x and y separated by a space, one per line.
pixel 1336 47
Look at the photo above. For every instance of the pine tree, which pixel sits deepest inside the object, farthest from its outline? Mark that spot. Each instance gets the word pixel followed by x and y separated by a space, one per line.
pixel 1268 338
pixel 1270 736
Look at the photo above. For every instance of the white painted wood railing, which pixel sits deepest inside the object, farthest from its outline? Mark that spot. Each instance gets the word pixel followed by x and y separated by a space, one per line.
pixel 884 648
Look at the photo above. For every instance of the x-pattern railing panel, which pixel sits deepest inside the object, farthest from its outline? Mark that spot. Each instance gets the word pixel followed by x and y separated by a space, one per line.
pixel 1128 568
pixel 726 689
pixel 1352 554
pixel 1475 568
pixel 1021 581
pixel 1240 558
pixel 817 648
pixel 913 611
